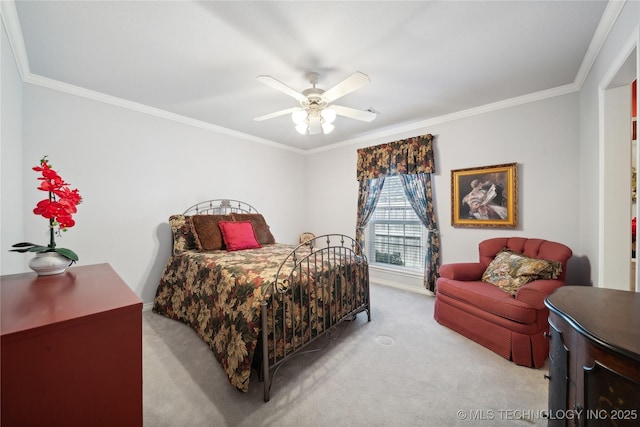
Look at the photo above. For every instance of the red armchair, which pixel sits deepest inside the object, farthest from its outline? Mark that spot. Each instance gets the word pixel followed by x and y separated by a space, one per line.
pixel 512 327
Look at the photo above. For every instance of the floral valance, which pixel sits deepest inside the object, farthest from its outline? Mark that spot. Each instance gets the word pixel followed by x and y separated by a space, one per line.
pixel 406 156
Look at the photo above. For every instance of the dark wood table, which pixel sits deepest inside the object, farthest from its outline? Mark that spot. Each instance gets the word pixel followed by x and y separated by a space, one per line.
pixel 594 356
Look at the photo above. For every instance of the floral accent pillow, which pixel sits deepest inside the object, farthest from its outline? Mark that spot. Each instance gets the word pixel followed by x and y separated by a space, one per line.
pixel 307 238
pixel 510 270
pixel 183 238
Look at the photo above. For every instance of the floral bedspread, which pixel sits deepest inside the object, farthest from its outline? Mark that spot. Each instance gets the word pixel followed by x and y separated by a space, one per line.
pixel 219 295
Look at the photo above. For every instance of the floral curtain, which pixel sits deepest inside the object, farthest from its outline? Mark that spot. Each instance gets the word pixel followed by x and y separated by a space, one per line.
pixel 412 159
pixel 406 156
pixel 368 196
pixel 417 188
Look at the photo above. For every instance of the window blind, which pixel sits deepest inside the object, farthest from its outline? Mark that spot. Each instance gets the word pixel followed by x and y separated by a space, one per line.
pixel 395 234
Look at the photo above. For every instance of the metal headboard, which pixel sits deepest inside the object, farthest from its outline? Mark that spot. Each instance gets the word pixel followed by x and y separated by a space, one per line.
pixel 220 207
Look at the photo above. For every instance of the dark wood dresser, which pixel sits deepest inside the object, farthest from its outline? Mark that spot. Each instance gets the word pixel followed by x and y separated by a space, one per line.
pixel 71 349
pixel 594 357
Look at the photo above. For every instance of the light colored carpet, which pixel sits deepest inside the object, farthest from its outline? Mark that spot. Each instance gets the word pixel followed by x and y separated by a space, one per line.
pixel 400 369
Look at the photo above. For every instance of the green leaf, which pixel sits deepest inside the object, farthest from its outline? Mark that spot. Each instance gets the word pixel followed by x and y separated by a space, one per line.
pixel 32 247
pixel 28 247
pixel 23 244
pixel 19 250
pixel 67 253
pixel 39 249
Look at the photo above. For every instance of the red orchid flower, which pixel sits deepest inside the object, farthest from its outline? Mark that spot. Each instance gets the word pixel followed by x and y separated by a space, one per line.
pixel 58 209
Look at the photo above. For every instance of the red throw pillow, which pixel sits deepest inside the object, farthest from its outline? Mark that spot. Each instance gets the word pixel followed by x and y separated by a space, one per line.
pixel 238 235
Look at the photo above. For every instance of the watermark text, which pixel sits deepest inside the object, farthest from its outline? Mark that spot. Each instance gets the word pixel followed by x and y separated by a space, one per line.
pixel 544 414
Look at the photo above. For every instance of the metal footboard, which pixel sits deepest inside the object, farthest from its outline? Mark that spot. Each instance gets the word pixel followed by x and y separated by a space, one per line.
pixel 321 283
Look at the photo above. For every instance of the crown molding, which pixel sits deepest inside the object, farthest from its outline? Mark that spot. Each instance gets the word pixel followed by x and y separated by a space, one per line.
pixel 618 62
pixel 609 17
pixel 142 108
pixel 411 128
pixel 14 33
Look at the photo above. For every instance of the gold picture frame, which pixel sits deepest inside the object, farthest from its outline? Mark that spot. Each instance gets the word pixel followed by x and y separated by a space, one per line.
pixel 485 196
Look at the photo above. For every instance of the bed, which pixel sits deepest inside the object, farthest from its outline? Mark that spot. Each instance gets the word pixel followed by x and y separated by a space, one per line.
pixel 257 306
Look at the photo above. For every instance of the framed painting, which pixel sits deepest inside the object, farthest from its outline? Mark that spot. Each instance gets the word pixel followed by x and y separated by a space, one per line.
pixel 485 196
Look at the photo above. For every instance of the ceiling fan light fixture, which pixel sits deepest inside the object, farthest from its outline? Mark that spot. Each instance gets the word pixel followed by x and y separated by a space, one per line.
pixel 329 115
pixel 299 117
pixel 314 122
pixel 327 128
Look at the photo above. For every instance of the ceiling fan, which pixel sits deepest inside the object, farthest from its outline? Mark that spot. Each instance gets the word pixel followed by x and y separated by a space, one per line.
pixel 316 112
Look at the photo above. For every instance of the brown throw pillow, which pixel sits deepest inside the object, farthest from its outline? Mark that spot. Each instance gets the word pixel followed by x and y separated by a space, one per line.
pixel 207 233
pixel 259 225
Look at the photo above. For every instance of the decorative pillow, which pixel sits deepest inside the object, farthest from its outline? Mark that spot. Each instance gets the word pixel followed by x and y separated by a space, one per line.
pixel 183 237
pixel 510 270
pixel 207 233
pixel 260 226
pixel 307 238
pixel 238 235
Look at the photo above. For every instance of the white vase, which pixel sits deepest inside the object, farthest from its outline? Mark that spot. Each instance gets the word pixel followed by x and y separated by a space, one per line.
pixel 48 263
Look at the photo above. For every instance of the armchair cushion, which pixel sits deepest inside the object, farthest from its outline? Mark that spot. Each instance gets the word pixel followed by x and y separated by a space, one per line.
pixel 535 292
pixel 464 271
pixel 509 270
pixel 488 298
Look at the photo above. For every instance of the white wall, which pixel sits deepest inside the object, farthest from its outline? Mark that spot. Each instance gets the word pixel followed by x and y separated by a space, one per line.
pixel 11 185
pixel 134 170
pixel 540 136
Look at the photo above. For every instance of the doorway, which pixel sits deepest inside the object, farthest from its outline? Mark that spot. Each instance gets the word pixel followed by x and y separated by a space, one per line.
pixel 617 157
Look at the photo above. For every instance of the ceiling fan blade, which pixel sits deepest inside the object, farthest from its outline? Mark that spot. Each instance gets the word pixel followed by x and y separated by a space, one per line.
pixel 348 85
pixel 276 114
pixel 352 113
pixel 278 85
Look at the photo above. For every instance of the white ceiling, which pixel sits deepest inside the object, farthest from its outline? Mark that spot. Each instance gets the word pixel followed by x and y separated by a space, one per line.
pixel 199 60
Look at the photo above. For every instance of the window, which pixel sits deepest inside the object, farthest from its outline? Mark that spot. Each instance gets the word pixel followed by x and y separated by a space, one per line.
pixel 395 237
